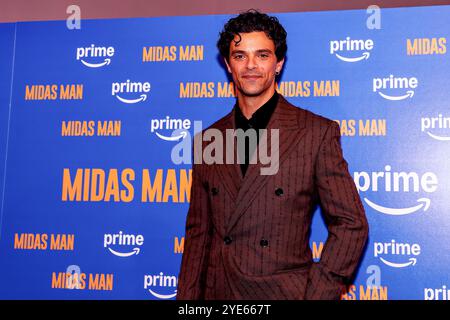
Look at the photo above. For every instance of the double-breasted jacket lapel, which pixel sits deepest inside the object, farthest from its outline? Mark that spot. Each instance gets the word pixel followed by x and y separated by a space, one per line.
pixel 243 190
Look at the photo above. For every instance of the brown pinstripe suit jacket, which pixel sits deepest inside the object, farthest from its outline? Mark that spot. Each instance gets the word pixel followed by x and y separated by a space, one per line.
pixel 266 253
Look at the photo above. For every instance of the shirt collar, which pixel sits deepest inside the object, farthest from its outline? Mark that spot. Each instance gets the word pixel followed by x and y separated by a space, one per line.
pixel 260 118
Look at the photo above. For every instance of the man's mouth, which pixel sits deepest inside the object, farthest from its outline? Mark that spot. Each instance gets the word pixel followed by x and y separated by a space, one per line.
pixel 251 76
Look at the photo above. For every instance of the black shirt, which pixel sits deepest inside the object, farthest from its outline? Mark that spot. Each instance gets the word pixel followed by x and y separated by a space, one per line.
pixel 259 120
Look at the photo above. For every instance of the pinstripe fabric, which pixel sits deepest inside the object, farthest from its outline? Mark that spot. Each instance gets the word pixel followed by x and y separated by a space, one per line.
pixel 312 171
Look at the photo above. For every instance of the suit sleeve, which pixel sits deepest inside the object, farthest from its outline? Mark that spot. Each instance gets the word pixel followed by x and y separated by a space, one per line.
pixel 345 219
pixel 197 241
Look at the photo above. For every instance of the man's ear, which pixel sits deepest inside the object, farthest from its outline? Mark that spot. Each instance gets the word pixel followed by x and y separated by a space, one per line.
pixel 228 66
pixel 279 66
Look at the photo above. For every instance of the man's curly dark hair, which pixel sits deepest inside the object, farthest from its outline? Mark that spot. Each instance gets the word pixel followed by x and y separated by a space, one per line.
pixel 253 21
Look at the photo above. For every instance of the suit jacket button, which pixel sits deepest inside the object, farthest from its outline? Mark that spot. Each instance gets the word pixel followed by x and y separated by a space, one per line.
pixel 279 192
pixel 214 191
pixel 227 240
pixel 264 243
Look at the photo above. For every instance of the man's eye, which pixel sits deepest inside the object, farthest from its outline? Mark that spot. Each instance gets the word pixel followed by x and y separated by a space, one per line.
pixel 264 55
pixel 239 56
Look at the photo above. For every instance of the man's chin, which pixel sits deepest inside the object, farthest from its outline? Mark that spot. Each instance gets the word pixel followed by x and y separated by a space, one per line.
pixel 252 93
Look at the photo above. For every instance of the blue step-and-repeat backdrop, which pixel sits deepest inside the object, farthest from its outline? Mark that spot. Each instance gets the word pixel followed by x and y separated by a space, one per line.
pixel 93 205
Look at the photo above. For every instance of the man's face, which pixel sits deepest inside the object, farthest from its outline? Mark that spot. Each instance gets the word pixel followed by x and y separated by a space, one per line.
pixel 253 63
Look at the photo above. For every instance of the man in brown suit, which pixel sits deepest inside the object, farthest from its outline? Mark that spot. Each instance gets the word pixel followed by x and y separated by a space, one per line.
pixel 247 233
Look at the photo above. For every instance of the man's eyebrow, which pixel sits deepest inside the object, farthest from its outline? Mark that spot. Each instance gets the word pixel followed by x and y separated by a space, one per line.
pixel 257 51
pixel 237 51
pixel 264 50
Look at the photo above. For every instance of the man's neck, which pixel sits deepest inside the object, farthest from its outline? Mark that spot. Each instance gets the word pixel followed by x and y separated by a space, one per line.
pixel 249 104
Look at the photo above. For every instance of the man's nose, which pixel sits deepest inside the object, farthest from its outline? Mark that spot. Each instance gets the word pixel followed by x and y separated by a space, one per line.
pixel 251 62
